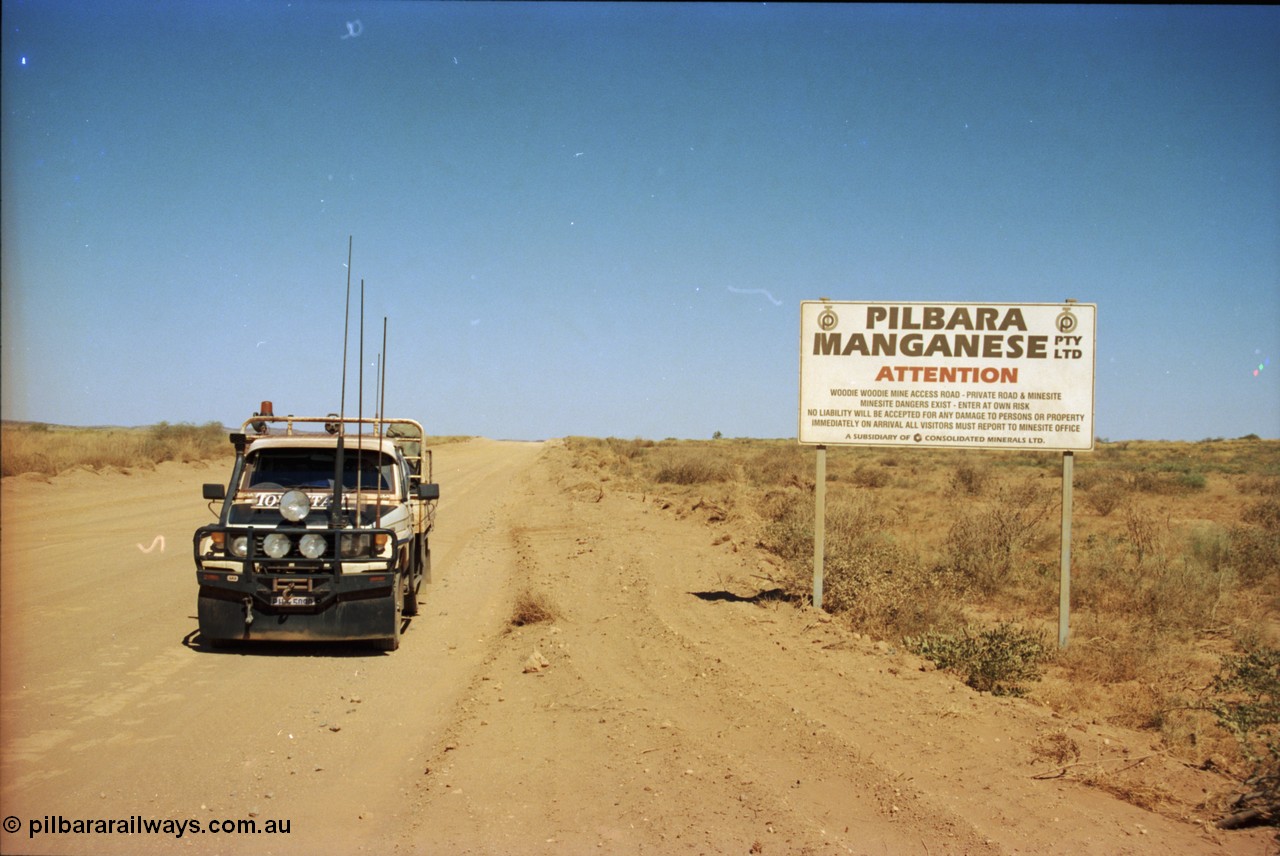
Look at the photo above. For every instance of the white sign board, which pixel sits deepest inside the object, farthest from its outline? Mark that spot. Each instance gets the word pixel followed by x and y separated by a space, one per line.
pixel 951 375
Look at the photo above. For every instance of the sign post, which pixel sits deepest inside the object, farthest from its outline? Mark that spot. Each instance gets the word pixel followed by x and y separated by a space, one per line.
pixel 819 525
pixel 1064 572
pixel 949 375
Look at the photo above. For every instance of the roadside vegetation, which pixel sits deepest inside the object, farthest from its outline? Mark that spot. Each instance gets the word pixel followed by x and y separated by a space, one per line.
pixel 48 450
pixel 954 555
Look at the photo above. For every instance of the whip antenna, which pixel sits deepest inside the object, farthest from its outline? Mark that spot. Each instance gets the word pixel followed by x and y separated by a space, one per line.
pixel 382 393
pixel 335 511
pixel 360 409
pixel 346 323
pixel 382 399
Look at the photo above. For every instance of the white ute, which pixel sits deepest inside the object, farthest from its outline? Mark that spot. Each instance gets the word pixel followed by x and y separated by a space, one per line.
pixel 322 534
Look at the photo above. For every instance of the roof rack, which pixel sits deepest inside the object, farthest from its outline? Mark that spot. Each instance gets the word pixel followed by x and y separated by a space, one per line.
pixel 408 434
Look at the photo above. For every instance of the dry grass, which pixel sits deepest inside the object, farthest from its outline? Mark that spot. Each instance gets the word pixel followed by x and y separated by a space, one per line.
pixel 531 608
pixel 48 450
pixel 1175 556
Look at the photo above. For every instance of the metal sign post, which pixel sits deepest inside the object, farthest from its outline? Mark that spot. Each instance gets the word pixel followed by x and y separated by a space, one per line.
pixel 1064 574
pixel 819 525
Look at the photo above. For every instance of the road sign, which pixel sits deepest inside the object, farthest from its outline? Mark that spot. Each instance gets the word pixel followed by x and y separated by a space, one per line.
pixel 948 375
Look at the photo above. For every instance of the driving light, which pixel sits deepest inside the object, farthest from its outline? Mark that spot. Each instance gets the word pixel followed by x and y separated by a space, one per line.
pixel 353 545
pixel 295 506
pixel 240 546
pixel 311 545
pixel 276 545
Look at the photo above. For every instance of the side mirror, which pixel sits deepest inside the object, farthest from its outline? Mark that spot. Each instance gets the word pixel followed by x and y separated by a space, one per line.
pixel 427 490
pixel 215 491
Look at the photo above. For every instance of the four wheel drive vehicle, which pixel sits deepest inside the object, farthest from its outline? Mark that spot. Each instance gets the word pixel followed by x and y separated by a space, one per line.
pixel 322 533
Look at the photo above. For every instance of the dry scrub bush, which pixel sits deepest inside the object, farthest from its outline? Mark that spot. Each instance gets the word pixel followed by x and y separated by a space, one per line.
pixel 689 465
pixel 1105 495
pixel 612 457
pixel 788 528
pixel 884 589
pixel 1135 791
pixel 779 465
pixel 1254 544
pixel 1185 596
pixel 985 545
pixel 880 586
pixel 871 476
pixel 969 479
pixel 1144 531
pixel 50 451
pixel 531 608
pixel 1056 747
pixel 1106 649
pixel 1174 592
pixel 1266 486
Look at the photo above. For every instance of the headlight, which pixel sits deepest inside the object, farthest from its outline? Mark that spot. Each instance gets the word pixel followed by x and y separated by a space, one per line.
pixel 276 545
pixel 295 506
pixel 311 545
pixel 240 546
pixel 354 545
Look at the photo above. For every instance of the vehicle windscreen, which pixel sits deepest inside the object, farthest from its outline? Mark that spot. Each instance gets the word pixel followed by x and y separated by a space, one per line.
pixel 269 469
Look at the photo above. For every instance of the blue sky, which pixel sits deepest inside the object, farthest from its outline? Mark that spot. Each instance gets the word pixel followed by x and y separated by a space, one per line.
pixel 601 219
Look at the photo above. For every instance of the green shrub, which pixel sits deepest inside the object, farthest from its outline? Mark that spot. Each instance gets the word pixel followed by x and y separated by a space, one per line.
pixel 997 660
pixel 1246 702
pixel 1165 478
pixel 1191 481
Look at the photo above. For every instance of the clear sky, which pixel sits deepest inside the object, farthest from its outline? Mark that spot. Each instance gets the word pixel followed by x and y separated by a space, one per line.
pixel 601 219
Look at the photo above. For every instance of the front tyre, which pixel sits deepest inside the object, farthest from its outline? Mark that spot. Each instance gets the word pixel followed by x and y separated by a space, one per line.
pixel 413 580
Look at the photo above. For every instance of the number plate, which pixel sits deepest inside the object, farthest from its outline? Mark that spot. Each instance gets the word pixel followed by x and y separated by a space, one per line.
pixel 293 600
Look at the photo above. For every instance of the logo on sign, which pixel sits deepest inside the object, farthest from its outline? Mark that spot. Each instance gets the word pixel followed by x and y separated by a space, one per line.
pixel 828 320
pixel 1066 321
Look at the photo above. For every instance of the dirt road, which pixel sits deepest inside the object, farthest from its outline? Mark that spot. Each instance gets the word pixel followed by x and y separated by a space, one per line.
pixel 668 709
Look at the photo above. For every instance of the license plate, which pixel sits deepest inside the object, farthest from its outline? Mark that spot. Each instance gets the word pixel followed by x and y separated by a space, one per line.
pixel 293 600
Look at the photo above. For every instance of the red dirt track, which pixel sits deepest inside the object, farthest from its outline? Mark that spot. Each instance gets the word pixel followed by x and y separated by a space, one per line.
pixel 668 709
